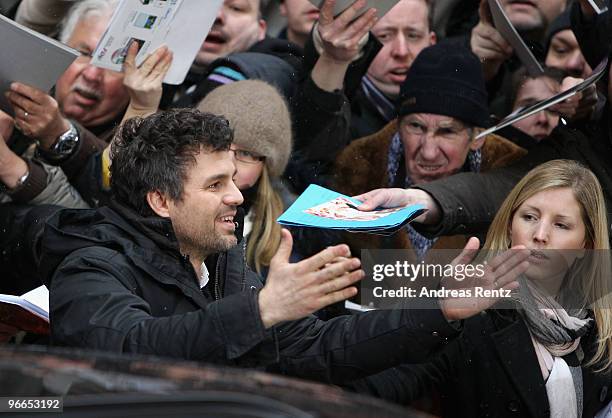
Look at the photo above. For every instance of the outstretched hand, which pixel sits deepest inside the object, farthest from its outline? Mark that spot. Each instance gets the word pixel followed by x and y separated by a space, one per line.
pixel 500 277
pixel 144 82
pixel 293 291
pixel 394 198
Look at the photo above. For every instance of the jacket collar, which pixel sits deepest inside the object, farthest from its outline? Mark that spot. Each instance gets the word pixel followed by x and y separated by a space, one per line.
pixel 157 229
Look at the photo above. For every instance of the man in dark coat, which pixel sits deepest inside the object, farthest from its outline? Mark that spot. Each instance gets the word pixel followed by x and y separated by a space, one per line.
pixel 159 272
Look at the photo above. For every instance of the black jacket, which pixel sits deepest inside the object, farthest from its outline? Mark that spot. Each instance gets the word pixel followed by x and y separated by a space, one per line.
pixel 118 282
pixel 491 370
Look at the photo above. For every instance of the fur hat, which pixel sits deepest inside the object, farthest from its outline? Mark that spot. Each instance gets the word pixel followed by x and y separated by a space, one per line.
pixel 260 119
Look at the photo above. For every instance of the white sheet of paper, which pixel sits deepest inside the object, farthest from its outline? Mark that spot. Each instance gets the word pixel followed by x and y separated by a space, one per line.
pixel 599 6
pixel 383 6
pixel 522 113
pixel 182 25
pixel 30 58
pixel 508 31
pixel 38 297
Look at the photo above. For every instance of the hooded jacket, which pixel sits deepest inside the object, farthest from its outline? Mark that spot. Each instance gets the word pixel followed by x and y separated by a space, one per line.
pixel 118 282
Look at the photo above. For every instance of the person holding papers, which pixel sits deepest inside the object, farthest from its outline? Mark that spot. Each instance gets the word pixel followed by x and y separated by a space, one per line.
pixel 465 203
pixel 442 106
pixel 88 101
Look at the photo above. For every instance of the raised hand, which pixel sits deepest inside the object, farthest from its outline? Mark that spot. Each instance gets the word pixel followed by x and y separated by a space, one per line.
pixel 341 36
pixel 293 291
pixel 580 105
pixel 500 277
pixel 341 40
pixel 144 83
pixel 488 44
pixel 37 114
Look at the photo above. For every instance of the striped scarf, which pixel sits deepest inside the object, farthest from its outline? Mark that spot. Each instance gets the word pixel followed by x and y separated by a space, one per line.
pixel 383 105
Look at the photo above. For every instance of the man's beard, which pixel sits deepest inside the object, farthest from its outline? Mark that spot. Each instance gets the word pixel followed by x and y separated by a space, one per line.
pixel 205 243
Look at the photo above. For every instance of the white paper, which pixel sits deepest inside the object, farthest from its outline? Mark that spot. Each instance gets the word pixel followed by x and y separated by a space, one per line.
pixel 352 306
pixel 599 6
pixel 30 58
pixel 382 6
pixel 507 30
pixel 525 112
pixel 182 25
pixel 38 297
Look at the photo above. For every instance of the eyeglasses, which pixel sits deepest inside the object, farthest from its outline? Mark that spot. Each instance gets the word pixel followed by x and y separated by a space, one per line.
pixel 454 131
pixel 247 156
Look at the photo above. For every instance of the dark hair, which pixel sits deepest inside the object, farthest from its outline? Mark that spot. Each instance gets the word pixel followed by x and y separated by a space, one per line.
pixel 521 76
pixel 154 153
pixel 431 6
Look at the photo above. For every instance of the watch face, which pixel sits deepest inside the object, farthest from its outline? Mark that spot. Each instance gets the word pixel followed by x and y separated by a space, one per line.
pixel 67 142
pixel 66 146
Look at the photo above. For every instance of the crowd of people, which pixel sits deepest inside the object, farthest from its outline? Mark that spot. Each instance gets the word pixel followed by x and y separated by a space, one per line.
pixel 149 210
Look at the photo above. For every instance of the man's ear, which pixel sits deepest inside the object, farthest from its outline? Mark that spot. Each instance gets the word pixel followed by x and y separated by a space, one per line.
pixel 263 27
pixel 159 203
pixel 476 144
pixel 433 38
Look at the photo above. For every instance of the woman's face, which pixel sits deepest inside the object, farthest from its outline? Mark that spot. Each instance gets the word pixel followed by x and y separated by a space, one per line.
pixel 550 224
pixel 249 167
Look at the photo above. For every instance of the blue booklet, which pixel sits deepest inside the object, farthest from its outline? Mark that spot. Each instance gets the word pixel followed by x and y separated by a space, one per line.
pixel 319 207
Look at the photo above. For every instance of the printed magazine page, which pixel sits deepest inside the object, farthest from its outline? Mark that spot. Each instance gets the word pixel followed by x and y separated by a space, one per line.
pixel 182 25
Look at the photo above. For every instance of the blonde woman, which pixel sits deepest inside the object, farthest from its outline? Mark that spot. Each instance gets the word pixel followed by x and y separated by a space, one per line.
pixel 551 354
pixel 262 145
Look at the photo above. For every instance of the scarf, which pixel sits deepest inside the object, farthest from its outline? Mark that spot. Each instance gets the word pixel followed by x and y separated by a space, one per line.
pixel 395 159
pixel 555 332
pixel 385 107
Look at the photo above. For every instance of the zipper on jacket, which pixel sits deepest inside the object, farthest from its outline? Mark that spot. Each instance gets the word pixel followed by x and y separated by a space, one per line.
pixel 217 290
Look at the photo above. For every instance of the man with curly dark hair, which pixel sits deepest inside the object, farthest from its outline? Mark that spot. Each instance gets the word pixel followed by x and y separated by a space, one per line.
pixel 159 272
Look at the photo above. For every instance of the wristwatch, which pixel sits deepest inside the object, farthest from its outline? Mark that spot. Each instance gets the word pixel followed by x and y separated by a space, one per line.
pixel 66 143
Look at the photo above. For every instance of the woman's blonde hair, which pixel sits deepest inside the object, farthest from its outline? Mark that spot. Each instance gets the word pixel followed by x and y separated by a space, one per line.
pixel 595 276
pixel 265 236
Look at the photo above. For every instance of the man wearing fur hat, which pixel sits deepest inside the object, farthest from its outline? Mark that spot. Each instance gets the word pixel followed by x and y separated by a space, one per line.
pixel 442 106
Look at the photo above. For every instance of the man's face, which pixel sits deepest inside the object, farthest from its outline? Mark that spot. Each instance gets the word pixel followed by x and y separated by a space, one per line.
pixel 236 28
pixel 90 95
pixel 435 146
pixel 203 220
pixel 564 53
pixel 528 15
pixel 300 14
pixel 404 32
pixel 540 125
